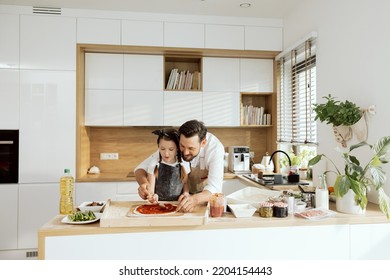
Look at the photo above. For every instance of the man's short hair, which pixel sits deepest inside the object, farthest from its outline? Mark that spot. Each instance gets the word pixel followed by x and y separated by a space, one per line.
pixel 192 128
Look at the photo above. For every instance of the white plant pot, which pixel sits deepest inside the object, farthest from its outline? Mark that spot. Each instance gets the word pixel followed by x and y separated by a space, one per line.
pixel 360 129
pixel 347 204
pixel 342 134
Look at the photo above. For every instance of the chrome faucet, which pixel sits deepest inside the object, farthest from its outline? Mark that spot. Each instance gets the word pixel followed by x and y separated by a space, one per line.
pixel 283 152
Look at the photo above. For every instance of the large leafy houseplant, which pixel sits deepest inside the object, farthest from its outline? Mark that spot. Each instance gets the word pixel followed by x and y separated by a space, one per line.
pixel 360 179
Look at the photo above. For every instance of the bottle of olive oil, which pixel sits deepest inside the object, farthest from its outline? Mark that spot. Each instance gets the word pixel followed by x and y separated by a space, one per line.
pixel 66 193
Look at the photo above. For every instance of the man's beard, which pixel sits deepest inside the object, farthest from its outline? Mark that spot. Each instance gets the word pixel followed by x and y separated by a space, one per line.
pixel 191 157
pixel 188 158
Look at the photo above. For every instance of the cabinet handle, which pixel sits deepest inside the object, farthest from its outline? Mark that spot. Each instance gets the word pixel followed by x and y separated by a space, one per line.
pixel 6 142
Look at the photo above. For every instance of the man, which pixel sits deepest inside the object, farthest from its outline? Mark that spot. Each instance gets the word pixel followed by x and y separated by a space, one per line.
pixel 206 155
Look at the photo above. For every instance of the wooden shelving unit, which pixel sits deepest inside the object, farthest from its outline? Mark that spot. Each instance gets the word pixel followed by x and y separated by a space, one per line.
pixel 258 100
pixel 186 64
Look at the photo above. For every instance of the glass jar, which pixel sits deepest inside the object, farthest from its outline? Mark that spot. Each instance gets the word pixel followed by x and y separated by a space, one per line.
pixel 266 210
pixel 280 209
pixel 217 204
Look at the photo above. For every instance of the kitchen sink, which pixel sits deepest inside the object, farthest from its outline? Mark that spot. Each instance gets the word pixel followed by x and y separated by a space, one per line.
pixel 269 183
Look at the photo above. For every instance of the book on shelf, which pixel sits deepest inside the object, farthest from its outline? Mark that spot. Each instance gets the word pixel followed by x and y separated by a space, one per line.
pixel 183 80
pixel 171 79
pixel 195 81
pixel 251 115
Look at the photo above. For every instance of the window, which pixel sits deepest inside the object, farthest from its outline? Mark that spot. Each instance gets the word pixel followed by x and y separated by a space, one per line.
pixel 297 94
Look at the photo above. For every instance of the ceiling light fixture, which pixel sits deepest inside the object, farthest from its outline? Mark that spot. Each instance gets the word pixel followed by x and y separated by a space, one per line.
pixel 245 5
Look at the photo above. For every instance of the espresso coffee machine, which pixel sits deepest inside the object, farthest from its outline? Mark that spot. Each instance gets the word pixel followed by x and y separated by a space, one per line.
pixel 239 159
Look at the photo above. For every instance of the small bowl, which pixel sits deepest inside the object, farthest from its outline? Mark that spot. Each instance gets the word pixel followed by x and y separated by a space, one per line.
pixel 300 206
pixel 242 210
pixel 94 206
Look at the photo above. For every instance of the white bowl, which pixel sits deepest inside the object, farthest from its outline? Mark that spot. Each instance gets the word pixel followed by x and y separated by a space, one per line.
pixel 86 206
pixel 299 206
pixel 242 210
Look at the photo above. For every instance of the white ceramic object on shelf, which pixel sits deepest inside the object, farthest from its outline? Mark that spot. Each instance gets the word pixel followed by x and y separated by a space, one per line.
pixel 347 204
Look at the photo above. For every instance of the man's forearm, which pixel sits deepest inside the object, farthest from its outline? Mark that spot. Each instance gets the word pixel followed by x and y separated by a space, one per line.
pixel 141 176
pixel 202 197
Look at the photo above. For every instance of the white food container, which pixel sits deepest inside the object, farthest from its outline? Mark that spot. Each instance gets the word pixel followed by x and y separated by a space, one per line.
pixel 242 210
pixel 85 206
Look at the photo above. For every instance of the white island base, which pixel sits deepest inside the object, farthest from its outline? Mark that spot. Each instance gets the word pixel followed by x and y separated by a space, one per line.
pixel 341 237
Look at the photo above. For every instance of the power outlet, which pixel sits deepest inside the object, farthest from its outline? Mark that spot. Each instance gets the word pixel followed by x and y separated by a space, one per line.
pixel 109 156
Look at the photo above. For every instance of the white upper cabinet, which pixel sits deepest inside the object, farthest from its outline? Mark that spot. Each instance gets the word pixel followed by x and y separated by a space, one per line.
pixel 221 108
pixel 256 75
pixel 180 107
pixel 9 46
pixel 185 35
pixel 47 124
pixel 47 42
pixel 103 71
pixel 224 37
pixel 142 33
pixel 143 72
pixel 142 107
pixel 123 89
pixel 98 31
pixel 221 74
pixel 103 107
pixel 263 38
pixel 9 99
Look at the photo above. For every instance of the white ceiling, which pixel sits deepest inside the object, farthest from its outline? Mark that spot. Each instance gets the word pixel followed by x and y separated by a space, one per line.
pixel 259 8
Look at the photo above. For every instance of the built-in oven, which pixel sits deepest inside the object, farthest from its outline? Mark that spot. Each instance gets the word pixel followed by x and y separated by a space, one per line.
pixel 9 156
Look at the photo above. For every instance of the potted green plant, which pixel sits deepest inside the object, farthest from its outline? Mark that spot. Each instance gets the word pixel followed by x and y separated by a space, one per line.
pixel 342 115
pixel 337 113
pixel 358 178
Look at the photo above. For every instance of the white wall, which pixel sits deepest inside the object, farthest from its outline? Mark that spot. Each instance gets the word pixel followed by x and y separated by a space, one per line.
pixel 352 59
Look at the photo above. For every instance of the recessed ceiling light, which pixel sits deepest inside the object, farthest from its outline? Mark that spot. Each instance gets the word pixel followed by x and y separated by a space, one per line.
pixel 245 5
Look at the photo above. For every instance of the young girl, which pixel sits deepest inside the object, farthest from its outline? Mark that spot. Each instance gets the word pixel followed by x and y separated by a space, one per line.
pixel 168 175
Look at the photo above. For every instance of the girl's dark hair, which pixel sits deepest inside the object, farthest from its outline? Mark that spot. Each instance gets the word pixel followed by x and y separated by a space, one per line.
pixel 169 134
pixel 192 128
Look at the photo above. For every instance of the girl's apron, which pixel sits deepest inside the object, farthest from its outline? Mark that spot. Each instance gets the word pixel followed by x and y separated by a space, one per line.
pixel 168 184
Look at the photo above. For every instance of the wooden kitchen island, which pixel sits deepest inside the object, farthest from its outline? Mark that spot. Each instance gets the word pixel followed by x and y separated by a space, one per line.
pixel 342 236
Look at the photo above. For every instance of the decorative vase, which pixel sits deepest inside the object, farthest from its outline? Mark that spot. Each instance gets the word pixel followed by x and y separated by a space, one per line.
pixel 347 204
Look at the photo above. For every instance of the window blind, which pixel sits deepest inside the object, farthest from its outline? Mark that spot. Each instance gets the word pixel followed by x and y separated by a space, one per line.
pixel 296 92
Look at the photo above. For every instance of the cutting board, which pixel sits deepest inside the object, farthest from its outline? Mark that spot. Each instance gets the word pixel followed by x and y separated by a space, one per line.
pixel 119 214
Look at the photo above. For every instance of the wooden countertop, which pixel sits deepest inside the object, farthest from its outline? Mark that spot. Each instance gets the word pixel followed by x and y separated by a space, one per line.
pixel 372 216
pixel 123 177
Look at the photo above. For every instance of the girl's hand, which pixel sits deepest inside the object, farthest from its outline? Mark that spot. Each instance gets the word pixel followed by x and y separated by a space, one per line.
pixel 153 198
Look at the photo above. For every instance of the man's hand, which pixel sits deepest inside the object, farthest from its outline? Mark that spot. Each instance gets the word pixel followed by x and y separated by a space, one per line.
pixel 187 203
pixel 143 191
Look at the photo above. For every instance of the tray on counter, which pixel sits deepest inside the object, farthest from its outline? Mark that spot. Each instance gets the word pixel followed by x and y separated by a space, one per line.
pixel 118 214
